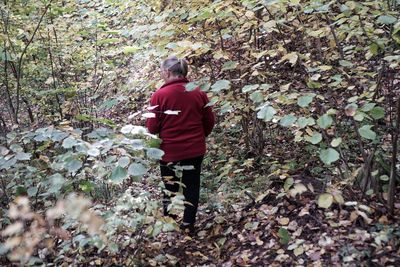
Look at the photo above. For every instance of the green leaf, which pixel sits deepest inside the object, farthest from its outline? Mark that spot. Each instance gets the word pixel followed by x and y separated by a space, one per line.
pixel 374 49
pixel 191 86
pixel 384 178
pixel 315 138
pixel 118 175
pixel 124 161
pixel 359 116
pixel 304 101
pixel 137 169
pixel 20 190
pixel 304 122
pixel 73 165
pixel 328 156
pixel 386 19
pixel 56 183
pixel 32 191
pixel 284 236
pixel 325 200
pixel 396 34
pixel 94 152
pixel 86 186
pixel 23 156
pixel 229 65
pixel 288 183
pixel 366 132
pixel 288 120
pixel 108 41
pixel 250 87
pixel 336 142
pixel 130 49
pixel 368 107
pixel 69 142
pixel 266 113
pixel 345 63
pixel 220 85
pixel 155 153
pixel 377 113
pixel 257 97
pixel 325 121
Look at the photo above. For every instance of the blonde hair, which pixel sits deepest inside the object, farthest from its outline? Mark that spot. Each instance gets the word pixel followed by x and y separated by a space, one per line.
pixel 178 66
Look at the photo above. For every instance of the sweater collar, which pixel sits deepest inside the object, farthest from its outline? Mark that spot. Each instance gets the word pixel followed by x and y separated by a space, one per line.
pixel 179 80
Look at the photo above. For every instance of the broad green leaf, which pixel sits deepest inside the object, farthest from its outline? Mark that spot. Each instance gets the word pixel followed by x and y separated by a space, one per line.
pixel 23 156
pixel 118 175
pixel 69 142
pixel 374 49
pixel 315 138
pixel 304 122
pixel 386 19
pixel 288 120
pixel 304 101
pixel 220 85
pixel 288 183
pixel 325 121
pixel 86 186
pixel 155 153
pixel 325 200
pixel 124 162
pixel 191 86
pixel 336 142
pixel 73 165
pixel 284 236
pixel 345 63
pixel 396 34
pixel 377 113
pixel 384 178
pixel 366 132
pixel 16 148
pixel 137 169
pixel 229 65
pixel 250 87
pixel 266 113
pixel 328 156
pixel 368 107
pixel 94 152
pixel 360 116
pixel 56 183
pixel 257 97
pixel 32 191
pixel 108 41
pixel 130 49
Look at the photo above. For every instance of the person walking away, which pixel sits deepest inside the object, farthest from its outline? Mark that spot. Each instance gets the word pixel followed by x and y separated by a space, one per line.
pixel 183 134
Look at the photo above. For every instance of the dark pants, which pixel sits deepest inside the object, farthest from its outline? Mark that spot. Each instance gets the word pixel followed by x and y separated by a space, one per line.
pixel 191 188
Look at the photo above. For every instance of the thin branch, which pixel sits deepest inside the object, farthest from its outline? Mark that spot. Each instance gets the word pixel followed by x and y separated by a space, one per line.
pixel 23 54
pixel 328 20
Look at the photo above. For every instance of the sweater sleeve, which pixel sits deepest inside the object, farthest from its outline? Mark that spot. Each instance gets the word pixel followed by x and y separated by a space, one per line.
pixel 154 124
pixel 208 118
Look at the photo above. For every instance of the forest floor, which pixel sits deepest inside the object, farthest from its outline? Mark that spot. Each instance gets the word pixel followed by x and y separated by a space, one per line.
pixel 275 229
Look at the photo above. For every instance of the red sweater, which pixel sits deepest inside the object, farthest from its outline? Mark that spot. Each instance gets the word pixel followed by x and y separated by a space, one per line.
pixel 183 135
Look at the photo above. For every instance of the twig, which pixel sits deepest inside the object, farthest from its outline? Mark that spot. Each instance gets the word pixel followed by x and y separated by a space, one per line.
pixel 18 87
pixel 335 36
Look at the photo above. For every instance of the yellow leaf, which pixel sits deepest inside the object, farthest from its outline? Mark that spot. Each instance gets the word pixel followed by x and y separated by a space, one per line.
pixel 325 200
pixel 299 250
pixel 284 221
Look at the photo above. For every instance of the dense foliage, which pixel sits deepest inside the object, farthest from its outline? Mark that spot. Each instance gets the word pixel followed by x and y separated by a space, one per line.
pixel 307 94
